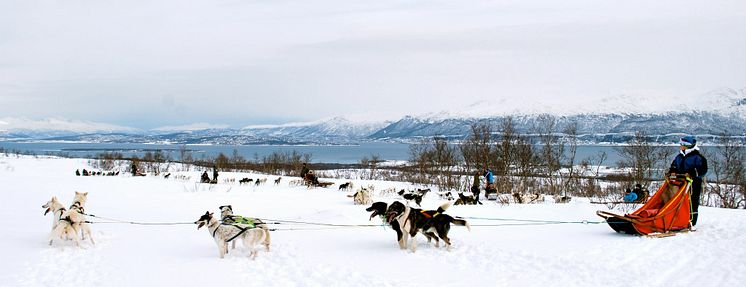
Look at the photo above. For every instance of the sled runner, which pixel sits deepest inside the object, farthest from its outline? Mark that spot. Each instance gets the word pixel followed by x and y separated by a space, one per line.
pixel 657 215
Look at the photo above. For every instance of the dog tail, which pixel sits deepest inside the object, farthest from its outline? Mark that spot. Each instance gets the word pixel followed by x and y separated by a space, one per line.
pixel 444 206
pixel 462 223
pixel 267 240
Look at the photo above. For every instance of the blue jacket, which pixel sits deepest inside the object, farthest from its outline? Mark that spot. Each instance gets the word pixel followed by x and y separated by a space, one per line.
pixel 690 161
pixel 489 177
pixel 630 197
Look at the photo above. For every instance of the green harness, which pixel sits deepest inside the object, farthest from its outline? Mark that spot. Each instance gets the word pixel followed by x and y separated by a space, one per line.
pixel 243 220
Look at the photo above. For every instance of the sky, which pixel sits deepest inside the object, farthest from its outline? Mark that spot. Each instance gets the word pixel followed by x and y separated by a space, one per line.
pixel 154 64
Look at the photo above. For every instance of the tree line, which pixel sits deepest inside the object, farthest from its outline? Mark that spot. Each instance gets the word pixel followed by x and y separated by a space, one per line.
pixel 543 160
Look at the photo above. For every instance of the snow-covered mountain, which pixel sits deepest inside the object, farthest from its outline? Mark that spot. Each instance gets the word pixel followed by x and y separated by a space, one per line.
pixel 609 119
pixel 23 128
pixel 331 129
pixel 721 111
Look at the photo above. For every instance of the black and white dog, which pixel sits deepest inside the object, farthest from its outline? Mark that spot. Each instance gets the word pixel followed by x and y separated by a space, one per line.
pixel 441 221
pixel 433 224
pixel 415 196
pixel 379 209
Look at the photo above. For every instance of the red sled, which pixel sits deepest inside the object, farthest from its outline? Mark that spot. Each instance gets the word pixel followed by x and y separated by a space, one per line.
pixel 656 216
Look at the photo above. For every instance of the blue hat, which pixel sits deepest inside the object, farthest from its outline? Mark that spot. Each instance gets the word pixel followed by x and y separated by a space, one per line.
pixel 688 141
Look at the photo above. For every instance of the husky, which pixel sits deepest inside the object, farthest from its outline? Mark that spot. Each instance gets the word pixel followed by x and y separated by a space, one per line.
pixel 362 197
pixel 79 201
pixel 379 209
pixel 414 196
pixel 224 233
pixel 260 181
pixel 277 181
pixel 56 208
pixel 68 225
pixel 227 217
pixel 427 222
pixel 345 186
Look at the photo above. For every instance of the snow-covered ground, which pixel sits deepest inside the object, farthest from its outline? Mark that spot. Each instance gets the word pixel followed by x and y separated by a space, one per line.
pixel 572 254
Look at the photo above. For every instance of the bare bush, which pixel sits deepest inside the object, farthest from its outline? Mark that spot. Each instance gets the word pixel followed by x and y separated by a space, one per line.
pixel 728 170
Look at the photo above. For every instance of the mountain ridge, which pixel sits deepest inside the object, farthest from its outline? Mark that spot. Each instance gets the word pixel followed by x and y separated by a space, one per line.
pixel 720 111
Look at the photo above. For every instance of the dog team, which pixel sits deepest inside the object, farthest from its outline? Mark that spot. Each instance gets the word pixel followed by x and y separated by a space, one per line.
pixel 406 221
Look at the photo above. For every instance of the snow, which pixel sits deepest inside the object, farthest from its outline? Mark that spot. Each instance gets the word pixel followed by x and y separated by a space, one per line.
pixel 572 254
pixel 190 127
pixel 722 100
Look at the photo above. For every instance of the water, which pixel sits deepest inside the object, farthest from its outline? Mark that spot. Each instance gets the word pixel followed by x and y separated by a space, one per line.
pixel 329 154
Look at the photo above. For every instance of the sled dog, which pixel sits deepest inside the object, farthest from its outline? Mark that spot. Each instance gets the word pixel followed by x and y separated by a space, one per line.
pixel 433 224
pixel 68 225
pixel 227 217
pixel 224 233
pixel 362 197
pixel 57 210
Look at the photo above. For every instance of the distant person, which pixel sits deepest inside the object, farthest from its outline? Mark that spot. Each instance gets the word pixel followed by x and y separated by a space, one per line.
pixel 214 174
pixel 641 193
pixel 692 164
pixel 134 170
pixel 490 178
pixel 630 196
pixel 205 177
pixel 304 171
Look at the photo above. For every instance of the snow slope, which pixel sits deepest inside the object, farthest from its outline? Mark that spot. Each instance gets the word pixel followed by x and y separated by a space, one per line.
pixel 180 255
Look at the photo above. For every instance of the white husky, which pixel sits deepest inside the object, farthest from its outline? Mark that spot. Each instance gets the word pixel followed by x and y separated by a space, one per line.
pixel 68 222
pixel 68 225
pixel 224 233
pixel 80 200
pixel 227 217
pixel 57 210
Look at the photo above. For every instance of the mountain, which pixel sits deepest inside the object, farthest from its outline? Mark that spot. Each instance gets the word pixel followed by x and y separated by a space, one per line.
pixel 609 119
pixel 22 128
pixel 332 130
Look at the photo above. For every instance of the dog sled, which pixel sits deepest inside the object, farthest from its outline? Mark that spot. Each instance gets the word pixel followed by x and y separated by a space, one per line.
pixel 656 216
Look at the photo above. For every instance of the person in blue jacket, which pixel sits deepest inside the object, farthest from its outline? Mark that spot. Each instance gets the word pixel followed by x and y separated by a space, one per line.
pixel 630 196
pixel 690 162
pixel 490 178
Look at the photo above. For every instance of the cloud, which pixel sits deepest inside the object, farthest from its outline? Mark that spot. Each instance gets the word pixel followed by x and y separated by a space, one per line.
pixel 61 124
pixel 166 63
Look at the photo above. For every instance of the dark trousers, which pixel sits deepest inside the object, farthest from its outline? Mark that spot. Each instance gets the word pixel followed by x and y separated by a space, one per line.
pixel 696 193
pixel 476 191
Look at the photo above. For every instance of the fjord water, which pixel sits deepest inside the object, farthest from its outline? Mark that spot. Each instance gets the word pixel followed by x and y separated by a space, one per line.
pixel 320 153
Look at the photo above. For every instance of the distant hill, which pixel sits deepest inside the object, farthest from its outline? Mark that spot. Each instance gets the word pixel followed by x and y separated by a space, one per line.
pixel 613 119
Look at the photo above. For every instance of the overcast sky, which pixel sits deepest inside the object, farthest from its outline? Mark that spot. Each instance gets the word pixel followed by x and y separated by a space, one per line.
pixel 149 64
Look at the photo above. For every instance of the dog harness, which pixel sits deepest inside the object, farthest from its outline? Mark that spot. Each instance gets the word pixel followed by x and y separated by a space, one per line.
pixel 237 234
pixel 75 206
pixel 242 220
pixel 428 216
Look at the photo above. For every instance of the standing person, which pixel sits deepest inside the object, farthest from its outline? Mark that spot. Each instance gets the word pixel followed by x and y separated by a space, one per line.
pixel 133 167
pixel 691 163
pixel 304 171
pixel 214 174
